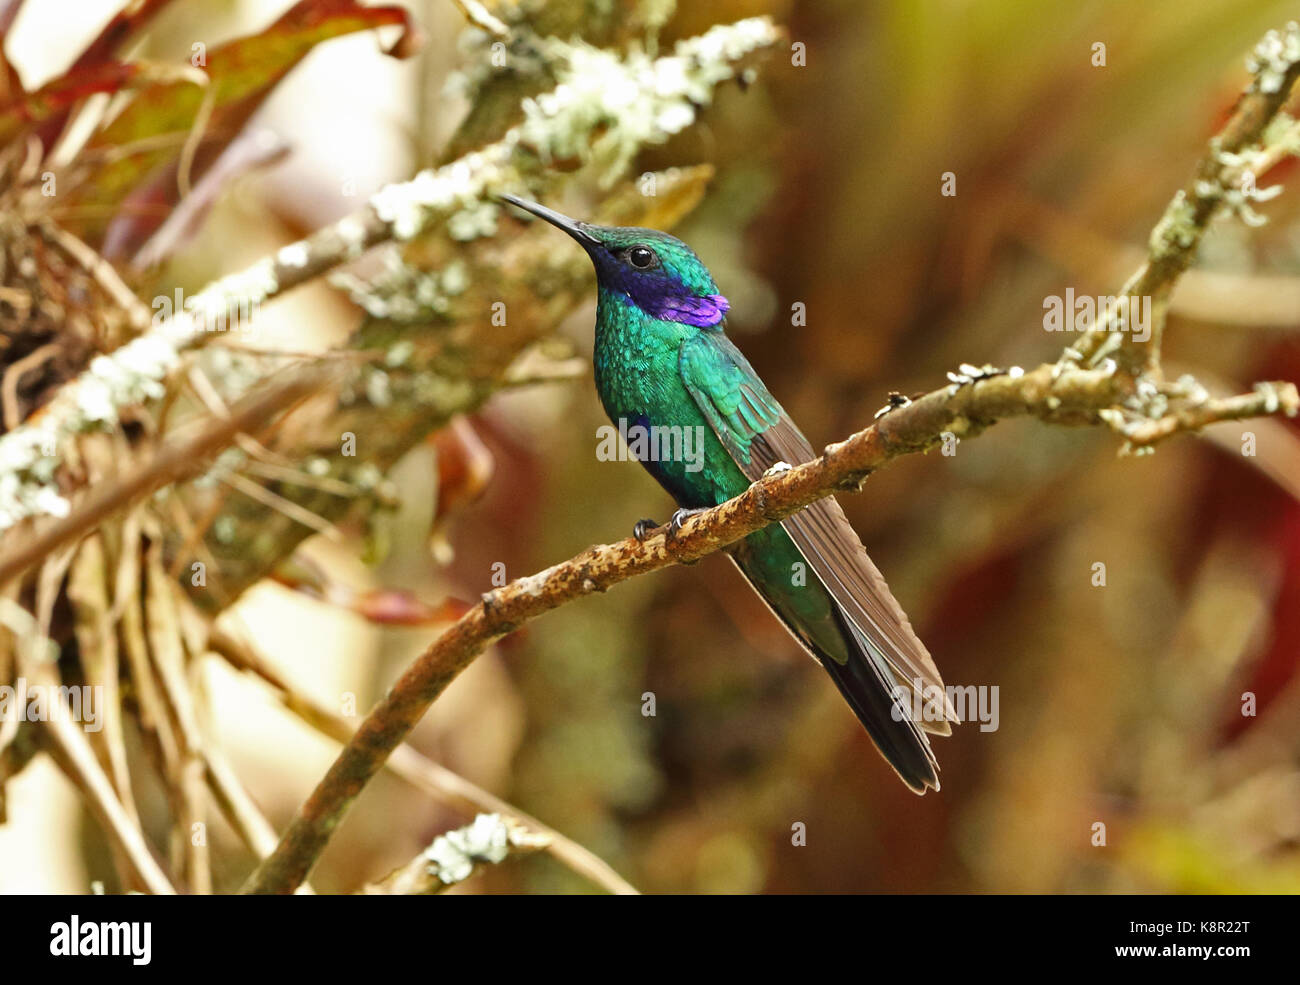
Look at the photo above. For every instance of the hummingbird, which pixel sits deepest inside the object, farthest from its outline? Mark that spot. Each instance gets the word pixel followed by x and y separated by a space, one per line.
pixel 663 361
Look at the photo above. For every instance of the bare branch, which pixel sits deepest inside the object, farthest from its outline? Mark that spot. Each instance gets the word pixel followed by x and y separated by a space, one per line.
pixel 420 771
pixel 70 749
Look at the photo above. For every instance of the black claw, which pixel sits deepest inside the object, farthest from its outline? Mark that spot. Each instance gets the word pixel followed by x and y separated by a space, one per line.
pixel 642 529
pixel 680 517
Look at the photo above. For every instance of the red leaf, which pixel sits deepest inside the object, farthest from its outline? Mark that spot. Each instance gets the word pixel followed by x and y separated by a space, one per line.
pixel 382 606
pixel 465 467
pixel 241 75
pixel 60 94
pixel 116 35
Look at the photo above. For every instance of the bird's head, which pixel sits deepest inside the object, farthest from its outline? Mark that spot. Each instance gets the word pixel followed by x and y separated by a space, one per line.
pixel 658 273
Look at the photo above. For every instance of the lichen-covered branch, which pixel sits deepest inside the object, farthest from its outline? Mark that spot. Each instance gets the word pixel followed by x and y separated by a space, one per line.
pixel 455 856
pixel 604 109
pixel 1067 396
pixel 425 379
pixel 181 457
pixel 1225 179
pixel 1266 399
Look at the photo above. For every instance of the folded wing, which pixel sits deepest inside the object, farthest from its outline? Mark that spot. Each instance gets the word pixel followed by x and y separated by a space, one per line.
pixel 758 434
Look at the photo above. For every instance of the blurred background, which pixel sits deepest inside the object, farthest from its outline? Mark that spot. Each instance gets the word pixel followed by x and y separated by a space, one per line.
pixel 1119 705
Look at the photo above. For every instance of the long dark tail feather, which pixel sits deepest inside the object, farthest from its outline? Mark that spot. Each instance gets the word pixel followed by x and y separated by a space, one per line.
pixel 869 690
pixel 867 684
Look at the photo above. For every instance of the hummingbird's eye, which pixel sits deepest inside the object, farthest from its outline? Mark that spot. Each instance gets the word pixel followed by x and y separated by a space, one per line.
pixel 642 257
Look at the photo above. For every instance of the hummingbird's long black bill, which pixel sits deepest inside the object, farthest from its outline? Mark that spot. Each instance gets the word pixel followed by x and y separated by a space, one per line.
pixel 573 227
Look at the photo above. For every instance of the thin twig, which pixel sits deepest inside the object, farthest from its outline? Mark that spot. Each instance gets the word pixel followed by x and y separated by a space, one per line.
pixel 9 389
pixel 186 776
pixel 238 807
pixel 177 459
pixel 455 856
pixel 70 749
pixel 481 17
pixel 418 769
pixel 103 272
pixel 191 146
pixel 1268 398
pixel 273 500
pixel 297 477
pixel 1217 178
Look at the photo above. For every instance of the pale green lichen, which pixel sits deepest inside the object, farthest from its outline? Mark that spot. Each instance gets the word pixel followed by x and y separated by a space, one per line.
pixel 485 57
pixel 487 840
pixel 654 14
pixel 1274 57
pixel 399 353
pixel 350 232
pixel 604 108
pixel 368 476
pixel 378 389
pixel 1234 186
pixel 472 222
pixel 294 255
pixel 641 100
pixel 228 462
pixel 436 390
pixel 1279 397
pixel 132 374
pixel 224 529
pixel 1282 133
pixel 409 207
pixel 403 293
pixel 1176 230
pixel 455 278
